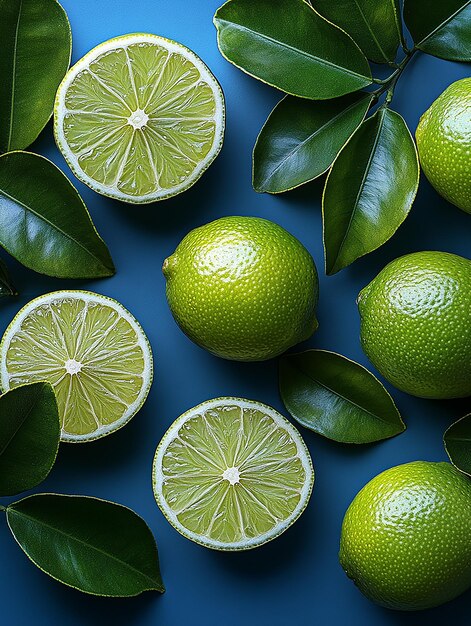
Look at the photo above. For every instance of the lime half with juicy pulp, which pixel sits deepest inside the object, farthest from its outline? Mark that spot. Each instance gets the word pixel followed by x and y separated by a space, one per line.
pixel 92 351
pixel 139 118
pixel 232 474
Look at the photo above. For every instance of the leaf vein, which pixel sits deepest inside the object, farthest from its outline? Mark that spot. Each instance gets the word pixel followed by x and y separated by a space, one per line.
pixel 282 44
pixel 380 48
pixel 13 85
pixel 20 426
pixel 302 144
pixel 84 543
pixel 443 24
pixel 360 189
pixel 337 393
pixel 53 226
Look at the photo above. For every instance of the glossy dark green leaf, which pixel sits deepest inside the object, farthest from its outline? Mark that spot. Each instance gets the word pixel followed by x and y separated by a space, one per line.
pixel 289 46
pixel 44 223
pixel 440 27
pixel 370 189
pixel 92 545
pixel 337 398
pixel 6 286
pixel 301 138
pixel 36 43
pixel 29 437
pixel 457 441
pixel 375 25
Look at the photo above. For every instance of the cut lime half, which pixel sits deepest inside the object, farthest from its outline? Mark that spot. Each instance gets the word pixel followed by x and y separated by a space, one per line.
pixel 93 352
pixel 232 474
pixel 139 118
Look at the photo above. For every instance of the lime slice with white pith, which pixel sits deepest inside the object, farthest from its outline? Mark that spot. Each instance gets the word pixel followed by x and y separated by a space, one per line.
pixel 139 118
pixel 232 474
pixel 93 352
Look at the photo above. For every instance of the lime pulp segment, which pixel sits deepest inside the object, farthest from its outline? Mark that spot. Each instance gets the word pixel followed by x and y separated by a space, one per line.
pixel 139 118
pixel 232 474
pixel 93 352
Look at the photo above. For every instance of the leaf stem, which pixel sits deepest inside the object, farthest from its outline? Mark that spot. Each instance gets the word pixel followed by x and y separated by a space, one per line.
pixel 390 92
pixel 404 45
pixel 389 84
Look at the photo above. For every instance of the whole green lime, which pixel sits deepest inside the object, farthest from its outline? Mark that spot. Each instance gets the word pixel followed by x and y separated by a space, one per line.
pixel 406 537
pixel 443 141
pixel 416 324
pixel 243 288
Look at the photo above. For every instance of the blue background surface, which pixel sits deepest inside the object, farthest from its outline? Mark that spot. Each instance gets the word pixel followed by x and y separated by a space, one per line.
pixel 296 580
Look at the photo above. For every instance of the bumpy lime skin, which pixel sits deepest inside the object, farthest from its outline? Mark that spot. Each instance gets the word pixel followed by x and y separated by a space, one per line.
pixel 406 537
pixel 444 144
pixel 243 288
pixel 416 324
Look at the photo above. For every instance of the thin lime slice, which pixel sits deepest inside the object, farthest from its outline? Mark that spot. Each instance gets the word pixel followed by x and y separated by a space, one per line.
pixel 139 118
pixel 232 474
pixel 93 352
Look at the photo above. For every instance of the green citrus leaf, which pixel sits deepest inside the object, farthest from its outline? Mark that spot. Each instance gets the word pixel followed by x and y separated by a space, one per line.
pixel 95 546
pixel 6 286
pixel 457 440
pixel 440 27
pixel 337 398
pixel 375 25
pixel 36 47
pixel 29 437
pixel 289 46
pixel 44 223
pixel 370 189
pixel 301 138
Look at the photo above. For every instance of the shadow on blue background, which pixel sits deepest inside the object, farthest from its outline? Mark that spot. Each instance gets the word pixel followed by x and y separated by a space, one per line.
pixel 296 580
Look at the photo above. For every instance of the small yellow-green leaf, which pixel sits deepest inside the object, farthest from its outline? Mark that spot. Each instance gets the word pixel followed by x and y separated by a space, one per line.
pixel 95 546
pixel 29 437
pixel 337 398
pixel 369 190
pixel 45 224
pixel 375 25
pixel 36 44
pixel 457 440
pixel 440 27
pixel 301 138
pixel 290 46
pixel 6 286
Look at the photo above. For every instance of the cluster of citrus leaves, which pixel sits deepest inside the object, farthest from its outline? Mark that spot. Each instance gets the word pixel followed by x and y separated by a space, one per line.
pixel 95 546
pixel 44 223
pixel 319 54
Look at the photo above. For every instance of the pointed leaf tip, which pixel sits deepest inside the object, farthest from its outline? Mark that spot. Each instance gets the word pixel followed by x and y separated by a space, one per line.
pixel 369 190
